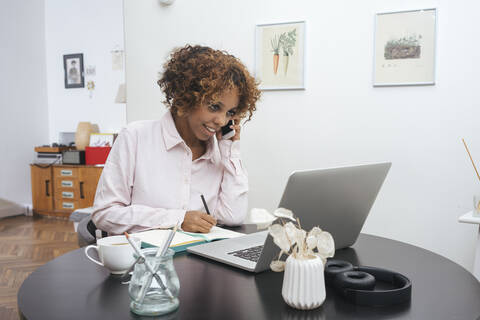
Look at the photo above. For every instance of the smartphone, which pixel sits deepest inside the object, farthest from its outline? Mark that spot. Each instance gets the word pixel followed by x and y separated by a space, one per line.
pixel 228 132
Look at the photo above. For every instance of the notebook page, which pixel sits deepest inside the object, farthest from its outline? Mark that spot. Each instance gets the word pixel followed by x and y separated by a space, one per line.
pixel 158 237
pixel 216 233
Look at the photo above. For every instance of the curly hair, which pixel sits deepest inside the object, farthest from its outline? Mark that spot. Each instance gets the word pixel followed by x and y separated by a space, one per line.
pixel 197 75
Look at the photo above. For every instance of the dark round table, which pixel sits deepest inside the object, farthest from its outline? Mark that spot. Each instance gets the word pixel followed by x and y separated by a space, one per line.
pixel 72 287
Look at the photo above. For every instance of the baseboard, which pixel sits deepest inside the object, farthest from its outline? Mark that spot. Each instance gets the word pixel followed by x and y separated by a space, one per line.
pixel 13 209
pixel 28 208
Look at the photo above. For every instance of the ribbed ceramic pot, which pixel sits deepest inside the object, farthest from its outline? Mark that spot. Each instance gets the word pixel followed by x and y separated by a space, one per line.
pixel 82 136
pixel 303 283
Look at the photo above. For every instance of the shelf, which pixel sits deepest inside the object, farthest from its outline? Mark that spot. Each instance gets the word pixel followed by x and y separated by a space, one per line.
pixel 469 218
pixel 53 149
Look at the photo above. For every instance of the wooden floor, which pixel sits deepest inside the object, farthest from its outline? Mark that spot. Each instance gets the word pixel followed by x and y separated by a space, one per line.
pixel 25 244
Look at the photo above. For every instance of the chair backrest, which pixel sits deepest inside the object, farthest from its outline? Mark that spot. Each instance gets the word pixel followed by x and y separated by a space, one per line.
pixel 85 237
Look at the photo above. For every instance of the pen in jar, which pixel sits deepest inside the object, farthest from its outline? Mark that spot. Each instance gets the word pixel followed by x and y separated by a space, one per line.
pixel 148 266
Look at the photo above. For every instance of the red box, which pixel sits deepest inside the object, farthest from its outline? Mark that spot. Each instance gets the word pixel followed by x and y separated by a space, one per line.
pixel 96 155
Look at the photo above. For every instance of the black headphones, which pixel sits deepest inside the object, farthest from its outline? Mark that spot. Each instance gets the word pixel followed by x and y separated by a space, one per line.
pixel 357 284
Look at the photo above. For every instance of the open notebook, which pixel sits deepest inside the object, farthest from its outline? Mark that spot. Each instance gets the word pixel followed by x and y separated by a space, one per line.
pixel 182 239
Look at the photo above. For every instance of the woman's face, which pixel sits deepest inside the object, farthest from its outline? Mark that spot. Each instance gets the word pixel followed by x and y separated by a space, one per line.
pixel 206 120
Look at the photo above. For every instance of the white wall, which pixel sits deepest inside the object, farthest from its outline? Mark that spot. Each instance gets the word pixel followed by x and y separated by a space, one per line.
pixel 93 28
pixel 340 119
pixel 23 94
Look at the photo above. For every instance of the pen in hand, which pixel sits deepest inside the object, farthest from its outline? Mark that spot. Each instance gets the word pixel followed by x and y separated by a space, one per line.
pixel 205 204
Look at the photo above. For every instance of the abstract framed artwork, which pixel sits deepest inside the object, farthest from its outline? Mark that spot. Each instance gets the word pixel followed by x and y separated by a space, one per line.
pixel 280 55
pixel 73 70
pixel 404 48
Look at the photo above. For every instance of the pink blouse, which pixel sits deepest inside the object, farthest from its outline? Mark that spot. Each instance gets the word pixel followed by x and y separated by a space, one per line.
pixel 150 181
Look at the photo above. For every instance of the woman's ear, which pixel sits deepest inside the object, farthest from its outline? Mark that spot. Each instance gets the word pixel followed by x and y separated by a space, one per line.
pixel 180 113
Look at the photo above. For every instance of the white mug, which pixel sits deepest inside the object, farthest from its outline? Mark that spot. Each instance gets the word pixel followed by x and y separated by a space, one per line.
pixel 115 253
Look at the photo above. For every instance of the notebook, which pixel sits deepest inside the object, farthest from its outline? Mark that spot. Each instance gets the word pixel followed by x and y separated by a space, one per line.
pixel 182 240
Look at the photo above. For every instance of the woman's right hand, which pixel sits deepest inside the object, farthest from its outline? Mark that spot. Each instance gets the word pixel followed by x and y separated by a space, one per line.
pixel 198 221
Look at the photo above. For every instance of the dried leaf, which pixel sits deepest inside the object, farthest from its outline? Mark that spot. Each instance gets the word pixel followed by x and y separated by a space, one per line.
pixel 277 265
pixel 315 231
pixel 284 213
pixel 279 237
pixel 312 238
pixel 291 232
pixel 325 245
pixel 311 242
pixel 300 236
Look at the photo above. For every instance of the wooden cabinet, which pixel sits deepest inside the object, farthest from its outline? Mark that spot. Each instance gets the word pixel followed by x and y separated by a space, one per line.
pixel 42 188
pixel 60 189
pixel 88 185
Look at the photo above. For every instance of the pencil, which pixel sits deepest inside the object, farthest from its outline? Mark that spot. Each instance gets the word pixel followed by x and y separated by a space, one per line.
pixel 161 251
pixel 138 252
pixel 205 204
pixel 473 163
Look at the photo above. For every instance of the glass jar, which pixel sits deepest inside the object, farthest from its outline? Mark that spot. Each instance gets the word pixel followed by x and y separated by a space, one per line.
pixel 153 296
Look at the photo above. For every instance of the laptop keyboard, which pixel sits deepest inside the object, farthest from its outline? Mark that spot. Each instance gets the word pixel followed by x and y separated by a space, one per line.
pixel 251 254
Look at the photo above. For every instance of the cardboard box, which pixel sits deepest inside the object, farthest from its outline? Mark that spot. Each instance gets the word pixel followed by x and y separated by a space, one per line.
pixel 96 155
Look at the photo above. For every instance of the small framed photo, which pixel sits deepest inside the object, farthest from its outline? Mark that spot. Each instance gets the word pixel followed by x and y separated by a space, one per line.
pixel 280 55
pixel 405 48
pixel 102 139
pixel 73 70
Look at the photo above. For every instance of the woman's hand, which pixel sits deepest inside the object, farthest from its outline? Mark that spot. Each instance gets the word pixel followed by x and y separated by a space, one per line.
pixel 235 126
pixel 197 221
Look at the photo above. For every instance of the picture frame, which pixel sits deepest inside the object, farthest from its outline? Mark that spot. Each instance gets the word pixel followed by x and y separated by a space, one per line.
pixel 101 139
pixel 280 55
pixel 73 70
pixel 404 48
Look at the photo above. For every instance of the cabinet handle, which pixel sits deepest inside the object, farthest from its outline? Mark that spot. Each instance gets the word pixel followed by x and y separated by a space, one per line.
pixel 47 192
pixel 81 190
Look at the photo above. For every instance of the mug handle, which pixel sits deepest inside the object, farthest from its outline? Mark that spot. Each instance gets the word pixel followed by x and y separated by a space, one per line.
pixel 92 246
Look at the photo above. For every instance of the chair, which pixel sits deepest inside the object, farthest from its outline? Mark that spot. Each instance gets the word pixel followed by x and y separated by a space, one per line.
pixel 86 232
pixel 85 237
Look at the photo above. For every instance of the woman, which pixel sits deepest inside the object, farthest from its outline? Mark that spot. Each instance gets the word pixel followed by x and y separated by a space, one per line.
pixel 157 170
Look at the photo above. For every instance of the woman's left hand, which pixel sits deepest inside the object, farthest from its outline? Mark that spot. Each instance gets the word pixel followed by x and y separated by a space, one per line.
pixel 235 126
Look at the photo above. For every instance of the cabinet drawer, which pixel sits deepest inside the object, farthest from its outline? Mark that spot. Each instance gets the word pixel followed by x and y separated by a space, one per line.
pixel 65 184
pixel 67 194
pixel 67 188
pixel 67 172
pixel 66 205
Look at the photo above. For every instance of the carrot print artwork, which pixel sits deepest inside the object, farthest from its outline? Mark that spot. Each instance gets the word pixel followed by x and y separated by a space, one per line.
pixel 280 55
pixel 287 41
pixel 276 49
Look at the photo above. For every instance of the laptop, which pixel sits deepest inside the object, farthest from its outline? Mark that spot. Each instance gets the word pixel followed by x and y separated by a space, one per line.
pixel 337 200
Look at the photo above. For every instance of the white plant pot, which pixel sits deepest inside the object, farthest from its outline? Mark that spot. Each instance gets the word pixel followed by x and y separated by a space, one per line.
pixel 303 283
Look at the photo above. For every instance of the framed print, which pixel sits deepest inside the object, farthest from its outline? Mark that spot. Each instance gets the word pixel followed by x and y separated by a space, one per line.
pixel 73 70
pixel 101 139
pixel 405 48
pixel 280 55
